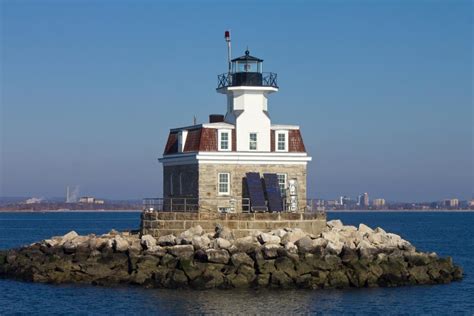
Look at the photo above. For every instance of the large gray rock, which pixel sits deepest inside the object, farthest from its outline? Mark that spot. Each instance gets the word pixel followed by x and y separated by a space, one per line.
pixel 335 223
pixel 156 251
pixel 201 242
pixel 305 244
pixel 365 229
pixel 366 249
pixel 270 250
pixel 69 236
pixel 218 255
pixel 334 247
pixel 120 244
pixel 241 258
pixel 135 245
pixel 265 238
pixel 167 240
pixel 293 236
pixel 280 232
pixel 53 242
pixel 320 242
pixel 291 247
pixel 246 244
pixel 222 243
pixel 186 237
pixel 182 251
pixel 148 242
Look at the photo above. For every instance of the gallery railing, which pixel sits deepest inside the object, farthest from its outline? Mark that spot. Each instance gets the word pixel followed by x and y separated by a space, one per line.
pixel 224 205
pixel 267 79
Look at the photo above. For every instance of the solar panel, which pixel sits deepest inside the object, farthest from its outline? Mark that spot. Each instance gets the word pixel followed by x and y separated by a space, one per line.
pixel 254 186
pixel 272 188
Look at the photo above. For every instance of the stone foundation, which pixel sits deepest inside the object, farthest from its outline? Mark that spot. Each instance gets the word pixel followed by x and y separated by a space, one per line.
pixel 242 224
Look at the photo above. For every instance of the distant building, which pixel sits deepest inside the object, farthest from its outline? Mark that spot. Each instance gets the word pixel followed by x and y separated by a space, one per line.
pixel 90 200
pixel 378 203
pixel 33 200
pixel 451 203
pixel 363 200
pixel 344 200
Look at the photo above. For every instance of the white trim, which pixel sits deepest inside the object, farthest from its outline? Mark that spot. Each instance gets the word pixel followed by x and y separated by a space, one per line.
pixel 286 140
pixel 222 125
pixel 225 90
pixel 283 127
pixel 233 158
pixel 236 154
pixel 251 162
pixel 182 135
pixel 229 139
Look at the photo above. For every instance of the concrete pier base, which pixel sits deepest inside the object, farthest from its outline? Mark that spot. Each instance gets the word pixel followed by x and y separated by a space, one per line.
pixel 242 224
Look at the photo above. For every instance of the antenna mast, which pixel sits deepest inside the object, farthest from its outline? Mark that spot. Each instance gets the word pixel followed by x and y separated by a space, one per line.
pixel 229 52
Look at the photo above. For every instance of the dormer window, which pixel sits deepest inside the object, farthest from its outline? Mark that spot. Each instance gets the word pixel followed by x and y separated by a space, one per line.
pixel 281 140
pixel 224 140
pixel 253 141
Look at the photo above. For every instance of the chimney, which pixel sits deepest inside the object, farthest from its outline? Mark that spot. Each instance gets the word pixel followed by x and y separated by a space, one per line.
pixel 216 118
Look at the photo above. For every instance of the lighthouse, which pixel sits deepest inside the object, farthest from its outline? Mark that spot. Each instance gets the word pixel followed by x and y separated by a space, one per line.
pixel 239 161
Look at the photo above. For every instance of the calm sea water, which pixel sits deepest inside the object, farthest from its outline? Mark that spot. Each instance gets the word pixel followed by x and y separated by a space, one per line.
pixel 445 233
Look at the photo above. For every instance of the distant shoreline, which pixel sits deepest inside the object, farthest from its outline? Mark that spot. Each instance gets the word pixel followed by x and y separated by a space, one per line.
pixel 399 211
pixel 327 211
pixel 71 211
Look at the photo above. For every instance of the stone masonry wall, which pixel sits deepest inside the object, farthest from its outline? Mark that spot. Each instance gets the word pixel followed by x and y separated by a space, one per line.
pixel 242 224
pixel 208 174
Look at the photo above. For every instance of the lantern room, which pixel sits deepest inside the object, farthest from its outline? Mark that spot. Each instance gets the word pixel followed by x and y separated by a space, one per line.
pixel 247 70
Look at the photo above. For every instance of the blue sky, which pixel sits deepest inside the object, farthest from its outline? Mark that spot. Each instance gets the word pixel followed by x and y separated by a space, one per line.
pixel 382 91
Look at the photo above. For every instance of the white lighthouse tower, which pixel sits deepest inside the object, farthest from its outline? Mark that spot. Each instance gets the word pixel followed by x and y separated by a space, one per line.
pixel 247 89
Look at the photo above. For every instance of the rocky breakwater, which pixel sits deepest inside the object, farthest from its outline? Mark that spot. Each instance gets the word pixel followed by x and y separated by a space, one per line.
pixel 340 257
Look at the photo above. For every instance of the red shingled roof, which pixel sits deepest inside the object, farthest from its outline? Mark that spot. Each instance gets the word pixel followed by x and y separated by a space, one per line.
pixel 205 139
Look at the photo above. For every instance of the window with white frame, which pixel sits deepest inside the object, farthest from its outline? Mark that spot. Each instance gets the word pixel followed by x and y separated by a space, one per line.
pixel 282 183
pixel 223 183
pixel 253 141
pixel 224 140
pixel 281 141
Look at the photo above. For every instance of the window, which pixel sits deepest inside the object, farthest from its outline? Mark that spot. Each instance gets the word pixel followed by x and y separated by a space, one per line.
pixel 180 184
pixel 224 140
pixel 223 183
pixel 282 141
pixel 282 183
pixel 253 141
pixel 171 185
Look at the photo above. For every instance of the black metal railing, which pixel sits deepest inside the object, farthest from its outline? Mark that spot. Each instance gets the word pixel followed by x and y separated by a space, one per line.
pixel 223 204
pixel 268 79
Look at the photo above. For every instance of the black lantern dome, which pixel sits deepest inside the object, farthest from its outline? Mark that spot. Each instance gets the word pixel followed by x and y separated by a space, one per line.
pixel 246 70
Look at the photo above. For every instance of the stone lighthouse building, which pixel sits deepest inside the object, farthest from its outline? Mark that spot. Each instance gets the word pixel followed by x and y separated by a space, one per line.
pixel 240 161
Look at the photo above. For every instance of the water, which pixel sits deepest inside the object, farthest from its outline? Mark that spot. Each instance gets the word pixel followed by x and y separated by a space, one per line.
pixel 444 233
